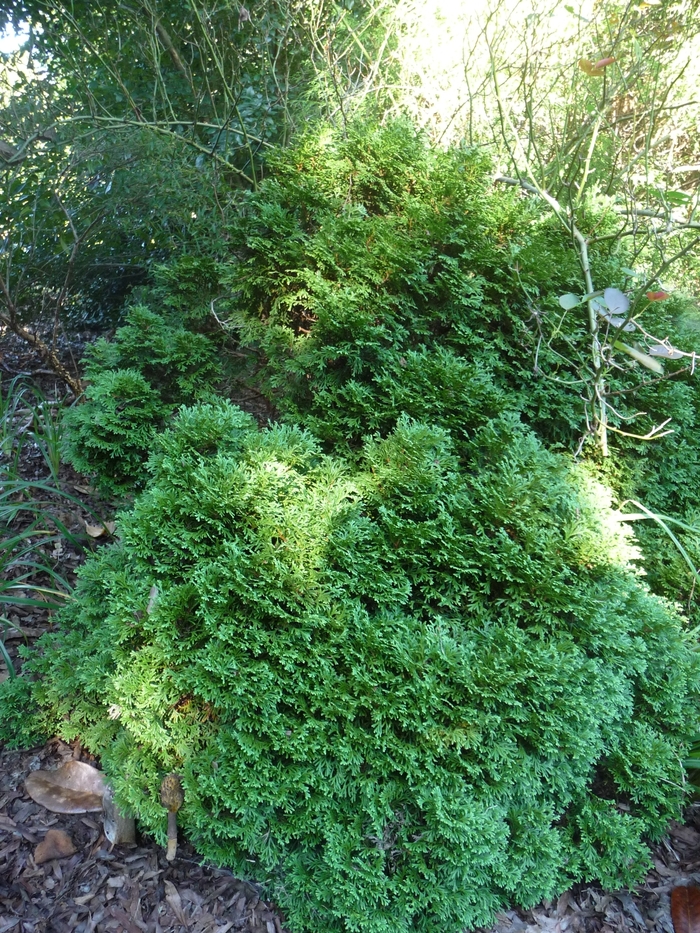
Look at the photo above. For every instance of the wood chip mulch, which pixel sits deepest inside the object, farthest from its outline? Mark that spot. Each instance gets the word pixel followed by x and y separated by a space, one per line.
pixel 120 889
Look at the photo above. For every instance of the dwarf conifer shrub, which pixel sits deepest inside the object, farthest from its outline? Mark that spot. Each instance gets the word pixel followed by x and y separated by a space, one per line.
pixel 368 259
pixel 401 694
pixel 372 275
pixel 380 278
pixel 110 433
pixel 156 362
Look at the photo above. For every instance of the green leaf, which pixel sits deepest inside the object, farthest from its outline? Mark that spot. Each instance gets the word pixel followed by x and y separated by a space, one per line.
pixel 616 300
pixel 569 301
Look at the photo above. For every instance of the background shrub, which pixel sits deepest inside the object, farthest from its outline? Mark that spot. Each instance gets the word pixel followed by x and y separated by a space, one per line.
pixel 156 361
pixel 426 290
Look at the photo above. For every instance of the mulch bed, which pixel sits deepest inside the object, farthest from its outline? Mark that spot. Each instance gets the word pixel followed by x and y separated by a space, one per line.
pixel 121 889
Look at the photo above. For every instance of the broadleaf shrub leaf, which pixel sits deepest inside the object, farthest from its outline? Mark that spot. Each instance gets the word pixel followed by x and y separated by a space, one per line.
pixel 616 300
pixel 685 909
pixel 667 353
pixel 569 301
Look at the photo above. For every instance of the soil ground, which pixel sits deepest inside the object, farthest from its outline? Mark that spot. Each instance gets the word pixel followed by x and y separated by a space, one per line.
pixel 133 889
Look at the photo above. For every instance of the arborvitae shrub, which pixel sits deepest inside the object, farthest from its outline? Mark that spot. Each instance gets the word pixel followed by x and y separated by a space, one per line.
pixel 402 694
pixel 368 266
pixel 155 362
pixel 379 278
pixel 111 432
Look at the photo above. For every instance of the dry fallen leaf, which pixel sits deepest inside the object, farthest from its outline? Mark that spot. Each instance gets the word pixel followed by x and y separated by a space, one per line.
pixel 173 899
pixel 55 844
pixel 73 788
pixel 96 531
pixel 589 68
pixel 685 909
pixel 686 834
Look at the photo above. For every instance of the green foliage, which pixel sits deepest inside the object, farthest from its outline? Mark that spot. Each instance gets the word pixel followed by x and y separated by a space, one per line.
pixel 18 728
pixel 402 694
pixel 375 277
pixel 155 362
pixel 111 432
pixel 174 359
pixel 373 280
pixel 380 276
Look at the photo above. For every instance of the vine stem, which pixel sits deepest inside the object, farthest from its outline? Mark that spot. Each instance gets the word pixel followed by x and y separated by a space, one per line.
pixel 596 354
pixel 581 244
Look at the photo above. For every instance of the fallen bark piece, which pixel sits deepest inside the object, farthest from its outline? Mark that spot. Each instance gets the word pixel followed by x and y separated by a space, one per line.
pixel 119 829
pixel 73 788
pixel 55 844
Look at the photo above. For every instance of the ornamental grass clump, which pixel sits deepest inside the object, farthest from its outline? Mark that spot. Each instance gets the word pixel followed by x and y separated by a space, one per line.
pixel 400 694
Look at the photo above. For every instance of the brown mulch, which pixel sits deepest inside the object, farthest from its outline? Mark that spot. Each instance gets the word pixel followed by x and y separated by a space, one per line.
pixel 121 889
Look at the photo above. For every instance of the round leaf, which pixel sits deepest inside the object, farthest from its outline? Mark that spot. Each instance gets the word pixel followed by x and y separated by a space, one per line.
pixel 569 301
pixel 666 353
pixel 617 301
pixel 618 322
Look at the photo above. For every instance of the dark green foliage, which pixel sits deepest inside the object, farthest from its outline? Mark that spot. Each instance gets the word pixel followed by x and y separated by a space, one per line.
pixel 371 266
pixel 401 694
pixel 111 432
pixel 21 724
pixel 380 278
pixel 175 360
pixel 155 362
pixel 407 687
